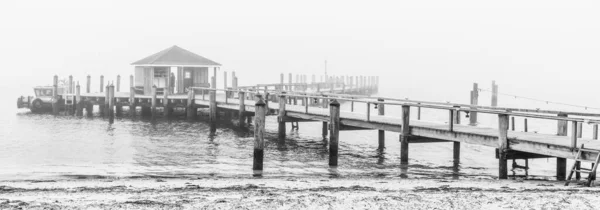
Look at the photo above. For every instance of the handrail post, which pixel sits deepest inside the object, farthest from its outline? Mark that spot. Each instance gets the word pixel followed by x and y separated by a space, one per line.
pixel 334 132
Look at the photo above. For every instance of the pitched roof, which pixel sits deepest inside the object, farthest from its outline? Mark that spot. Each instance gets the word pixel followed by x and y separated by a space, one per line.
pixel 175 56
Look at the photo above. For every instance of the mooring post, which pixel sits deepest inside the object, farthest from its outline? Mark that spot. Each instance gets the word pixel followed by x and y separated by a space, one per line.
pixel 101 83
pixel 502 146
pixel 78 102
pixel 280 118
pixel 132 101
pixel 111 103
pixel 88 83
pixel 213 110
pixel 191 110
pixel 595 132
pixel 561 163
pixel 119 83
pixel 166 108
pixel 405 134
pixel 242 109
pixel 334 132
pixel 259 132
pixel 474 99
pixel 324 130
pixel 106 96
pixel 153 102
pixel 381 133
pixel 55 96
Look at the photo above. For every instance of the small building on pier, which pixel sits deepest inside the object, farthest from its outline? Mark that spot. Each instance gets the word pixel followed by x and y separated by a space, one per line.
pixel 159 69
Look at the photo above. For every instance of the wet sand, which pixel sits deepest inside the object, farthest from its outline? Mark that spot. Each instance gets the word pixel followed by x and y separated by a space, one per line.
pixel 295 193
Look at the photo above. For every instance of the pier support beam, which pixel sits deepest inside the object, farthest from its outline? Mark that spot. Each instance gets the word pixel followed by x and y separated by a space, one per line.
pixel 111 104
pixel 153 102
pixel 191 110
pixel 213 111
pixel 381 110
pixel 334 132
pixel 259 132
pixel 166 108
pixel 324 130
pixel 55 96
pixel 405 134
pixel 78 102
pixel 281 115
pixel 502 146
pixel 561 163
pixel 242 109
pixel 132 101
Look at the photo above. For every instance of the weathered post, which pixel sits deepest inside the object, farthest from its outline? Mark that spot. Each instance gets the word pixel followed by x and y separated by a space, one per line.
pixel 405 134
pixel 502 146
pixel 494 94
pixel 106 96
pixel 70 90
pixel 111 104
pixel 334 132
pixel 561 163
pixel 242 109
pixel 281 86
pixel 131 82
pixel 579 129
pixel 132 101
pixel 101 83
pixel 525 125
pixel 474 99
pixel 512 124
pixel 280 120
pixel 119 83
pixel 290 82
pixel 191 110
pixel 153 102
pixel 225 82
pixel 78 102
pixel 381 110
pixel 324 130
pixel 213 110
pixel 259 130
pixel 595 132
pixel 88 83
pixel 55 96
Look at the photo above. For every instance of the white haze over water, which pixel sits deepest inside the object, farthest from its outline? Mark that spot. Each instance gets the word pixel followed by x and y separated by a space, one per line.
pixel 431 50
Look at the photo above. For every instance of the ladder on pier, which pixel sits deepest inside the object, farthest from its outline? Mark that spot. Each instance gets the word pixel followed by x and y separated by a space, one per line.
pixel 591 172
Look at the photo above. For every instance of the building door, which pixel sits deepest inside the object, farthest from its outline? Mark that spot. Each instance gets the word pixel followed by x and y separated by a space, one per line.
pixel 188 80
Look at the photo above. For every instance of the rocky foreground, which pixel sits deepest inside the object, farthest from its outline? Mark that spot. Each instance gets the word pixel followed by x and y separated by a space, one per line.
pixel 293 193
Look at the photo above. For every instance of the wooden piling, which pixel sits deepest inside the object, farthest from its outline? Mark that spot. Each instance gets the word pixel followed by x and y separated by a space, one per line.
pixel 281 115
pixel 474 100
pixel 153 102
pixel 290 82
pixel 70 90
pixel 101 83
pixel 575 134
pixel 512 123
pixel 259 131
pixel 111 104
pixel 88 83
pixel 166 108
pixel 213 111
pixel 595 132
pixel 561 163
pixel 132 101
pixel 525 126
pixel 55 96
pixel 104 109
pixel 225 82
pixel 78 102
pixel 502 146
pixel 324 130
pixel 334 132
pixel 579 129
pixel 451 120
pixel 404 136
pixel 242 109
pixel 381 133
pixel 191 110
pixel 494 94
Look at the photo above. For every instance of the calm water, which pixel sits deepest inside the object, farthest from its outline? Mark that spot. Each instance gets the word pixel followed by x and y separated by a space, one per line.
pixel 42 146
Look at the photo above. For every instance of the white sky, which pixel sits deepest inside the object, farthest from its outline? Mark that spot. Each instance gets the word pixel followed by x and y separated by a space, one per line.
pixel 432 49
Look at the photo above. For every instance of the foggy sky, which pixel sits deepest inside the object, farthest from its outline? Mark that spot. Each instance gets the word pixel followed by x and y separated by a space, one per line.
pixel 432 49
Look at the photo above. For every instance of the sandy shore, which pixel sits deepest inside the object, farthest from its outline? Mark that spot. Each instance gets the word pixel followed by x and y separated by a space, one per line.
pixel 295 193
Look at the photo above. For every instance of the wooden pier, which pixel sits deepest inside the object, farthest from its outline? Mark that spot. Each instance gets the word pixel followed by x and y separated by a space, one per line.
pixel 322 101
